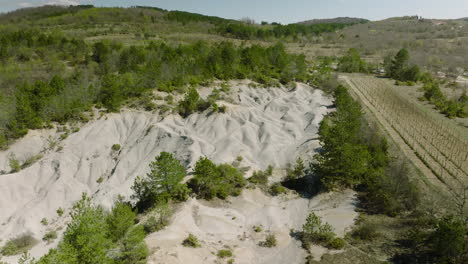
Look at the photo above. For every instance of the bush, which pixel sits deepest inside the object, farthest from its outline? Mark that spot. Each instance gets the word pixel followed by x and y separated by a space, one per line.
pixel 259 177
pixel 449 240
pixel 60 211
pixel 159 220
pixel 50 236
pixel 44 221
pixel 297 172
pixel 270 241
pixel 257 229
pixel 190 103
pixel 277 189
pixel 18 245
pixel 116 147
pixel 315 231
pixel 336 243
pixel 14 163
pixel 224 253
pixel 191 241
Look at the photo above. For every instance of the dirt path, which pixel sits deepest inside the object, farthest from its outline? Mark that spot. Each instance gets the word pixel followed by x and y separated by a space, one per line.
pixel 430 178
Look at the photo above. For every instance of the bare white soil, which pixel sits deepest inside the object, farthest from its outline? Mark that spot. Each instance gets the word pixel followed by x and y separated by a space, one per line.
pixel 264 126
pixel 230 225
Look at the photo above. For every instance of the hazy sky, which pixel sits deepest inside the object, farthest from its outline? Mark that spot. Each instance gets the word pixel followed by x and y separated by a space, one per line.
pixel 284 11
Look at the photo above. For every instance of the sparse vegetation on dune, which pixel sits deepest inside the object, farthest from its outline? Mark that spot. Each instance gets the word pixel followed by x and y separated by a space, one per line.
pixel 61 64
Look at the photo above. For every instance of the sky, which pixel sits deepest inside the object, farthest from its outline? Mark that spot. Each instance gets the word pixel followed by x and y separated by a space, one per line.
pixel 283 11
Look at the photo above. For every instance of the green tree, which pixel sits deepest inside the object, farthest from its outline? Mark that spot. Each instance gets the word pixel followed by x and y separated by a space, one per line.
pixel 162 182
pixel 133 249
pixel 352 62
pixel 216 181
pixel 120 219
pixel 206 177
pixel 314 230
pixel 85 240
pixel 399 63
pixel 298 170
pixel 343 160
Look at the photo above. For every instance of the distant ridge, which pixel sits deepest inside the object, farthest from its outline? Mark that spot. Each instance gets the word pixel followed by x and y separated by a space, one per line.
pixel 337 20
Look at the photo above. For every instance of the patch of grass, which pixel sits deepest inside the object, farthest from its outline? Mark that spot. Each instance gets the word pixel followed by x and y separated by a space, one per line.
pixel 258 229
pixel 64 136
pixel 191 241
pixel 18 245
pixel 224 253
pixel 31 160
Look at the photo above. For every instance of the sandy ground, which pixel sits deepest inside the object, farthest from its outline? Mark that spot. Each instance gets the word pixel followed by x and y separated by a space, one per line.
pixel 264 126
pixel 231 225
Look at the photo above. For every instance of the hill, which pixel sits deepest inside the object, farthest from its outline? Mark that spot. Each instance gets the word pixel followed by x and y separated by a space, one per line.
pixel 338 20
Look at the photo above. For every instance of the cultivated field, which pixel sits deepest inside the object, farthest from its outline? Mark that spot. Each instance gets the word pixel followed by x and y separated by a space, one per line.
pixel 436 146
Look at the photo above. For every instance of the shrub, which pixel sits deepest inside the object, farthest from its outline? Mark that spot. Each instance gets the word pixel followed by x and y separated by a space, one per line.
pixel 270 241
pixel 190 103
pixel 18 245
pixel 449 240
pixel 257 229
pixel 315 231
pixel 60 211
pixel 259 177
pixel 224 253
pixel 159 220
pixel 3 142
pixel 191 241
pixel 50 236
pixel 100 180
pixel 297 172
pixel 14 163
pixel 277 189
pixel 44 221
pixel 116 147
pixel 336 243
